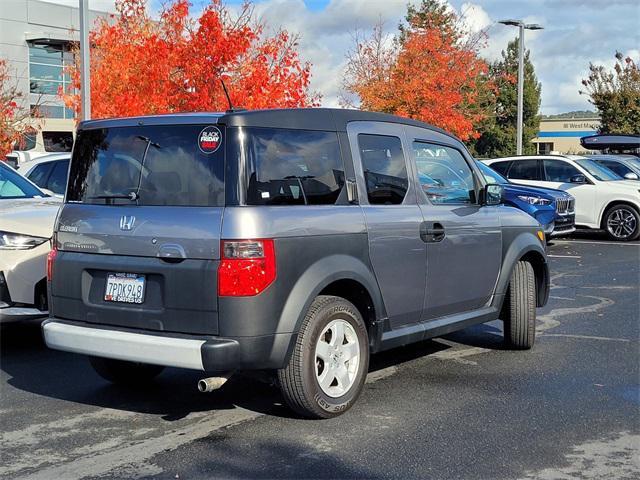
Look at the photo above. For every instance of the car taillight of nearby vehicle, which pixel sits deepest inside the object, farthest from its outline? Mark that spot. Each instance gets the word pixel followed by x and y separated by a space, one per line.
pixel 51 257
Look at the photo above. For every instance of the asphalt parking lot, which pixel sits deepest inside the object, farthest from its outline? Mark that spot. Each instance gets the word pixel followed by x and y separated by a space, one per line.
pixel 456 407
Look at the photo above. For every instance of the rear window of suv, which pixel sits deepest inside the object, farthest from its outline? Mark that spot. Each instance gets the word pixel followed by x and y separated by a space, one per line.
pixel 172 165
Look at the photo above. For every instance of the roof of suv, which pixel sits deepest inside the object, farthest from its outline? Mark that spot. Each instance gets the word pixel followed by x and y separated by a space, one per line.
pixel 52 157
pixel 331 119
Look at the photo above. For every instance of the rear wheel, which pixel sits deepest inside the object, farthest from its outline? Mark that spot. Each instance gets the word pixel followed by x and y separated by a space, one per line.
pixel 520 314
pixel 326 371
pixel 125 373
pixel 622 222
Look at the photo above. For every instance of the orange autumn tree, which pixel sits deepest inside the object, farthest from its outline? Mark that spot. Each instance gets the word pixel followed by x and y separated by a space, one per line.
pixel 141 65
pixel 431 71
pixel 16 121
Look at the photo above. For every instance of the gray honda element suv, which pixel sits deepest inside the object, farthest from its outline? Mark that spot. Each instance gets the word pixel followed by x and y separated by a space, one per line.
pixel 295 241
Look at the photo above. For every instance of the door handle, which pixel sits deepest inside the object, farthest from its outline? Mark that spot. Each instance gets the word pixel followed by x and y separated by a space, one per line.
pixel 172 253
pixel 431 232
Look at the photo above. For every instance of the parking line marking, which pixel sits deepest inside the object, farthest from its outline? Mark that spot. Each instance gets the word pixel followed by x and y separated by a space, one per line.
pixel 563 256
pixel 585 337
pixel 598 243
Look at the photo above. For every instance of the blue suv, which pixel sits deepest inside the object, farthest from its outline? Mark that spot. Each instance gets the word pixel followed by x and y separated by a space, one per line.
pixel 554 209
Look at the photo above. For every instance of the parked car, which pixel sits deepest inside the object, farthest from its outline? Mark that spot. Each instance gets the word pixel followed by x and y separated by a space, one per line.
pixel 553 209
pixel 626 166
pixel 26 224
pixel 298 241
pixel 49 171
pixel 604 200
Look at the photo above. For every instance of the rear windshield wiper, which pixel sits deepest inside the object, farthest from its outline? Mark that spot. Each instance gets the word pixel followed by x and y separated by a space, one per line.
pixel 133 196
pixel 136 194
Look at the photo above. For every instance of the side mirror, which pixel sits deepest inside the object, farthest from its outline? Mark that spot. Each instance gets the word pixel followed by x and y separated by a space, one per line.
pixel 578 179
pixel 493 194
pixel 631 176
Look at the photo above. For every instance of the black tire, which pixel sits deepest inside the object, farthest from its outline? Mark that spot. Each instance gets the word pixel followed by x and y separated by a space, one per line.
pixel 631 218
pixel 298 380
pixel 520 314
pixel 125 373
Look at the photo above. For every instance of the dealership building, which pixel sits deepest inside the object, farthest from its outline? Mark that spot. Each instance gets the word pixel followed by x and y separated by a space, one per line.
pixel 36 39
pixel 562 135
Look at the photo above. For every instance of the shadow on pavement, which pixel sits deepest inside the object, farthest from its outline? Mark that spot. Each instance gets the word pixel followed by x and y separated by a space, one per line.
pixel 32 367
pixel 223 456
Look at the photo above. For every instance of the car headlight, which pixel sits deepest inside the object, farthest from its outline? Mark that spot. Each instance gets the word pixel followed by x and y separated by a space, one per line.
pixel 16 241
pixel 534 200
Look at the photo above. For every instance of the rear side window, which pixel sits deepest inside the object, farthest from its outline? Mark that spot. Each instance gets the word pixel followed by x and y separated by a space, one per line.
pixel 385 169
pixel 57 141
pixel 40 173
pixel 292 167
pixel 173 165
pixel 524 170
pixel 58 179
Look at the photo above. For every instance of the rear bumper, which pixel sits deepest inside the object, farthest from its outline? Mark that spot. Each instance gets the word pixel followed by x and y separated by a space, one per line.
pixel 206 353
pixel 16 314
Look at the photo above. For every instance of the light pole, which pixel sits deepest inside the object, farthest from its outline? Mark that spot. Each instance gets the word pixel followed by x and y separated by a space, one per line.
pixel 522 27
pixel 85 87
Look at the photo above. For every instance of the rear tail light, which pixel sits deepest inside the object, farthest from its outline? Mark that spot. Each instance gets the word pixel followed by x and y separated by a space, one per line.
pixel 51 257
pixel 247 267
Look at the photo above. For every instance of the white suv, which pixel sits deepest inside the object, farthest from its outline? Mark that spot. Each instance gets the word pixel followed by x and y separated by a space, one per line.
pixel 603 198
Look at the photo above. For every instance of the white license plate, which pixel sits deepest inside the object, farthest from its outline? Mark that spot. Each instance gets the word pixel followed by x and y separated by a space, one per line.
pixel 125 288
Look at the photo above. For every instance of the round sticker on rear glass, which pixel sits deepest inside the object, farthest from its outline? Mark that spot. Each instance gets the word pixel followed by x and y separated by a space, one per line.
pixel 209 139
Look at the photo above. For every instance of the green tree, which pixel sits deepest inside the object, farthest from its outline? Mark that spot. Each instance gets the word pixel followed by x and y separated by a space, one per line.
pixel 498 135
pixel 616 95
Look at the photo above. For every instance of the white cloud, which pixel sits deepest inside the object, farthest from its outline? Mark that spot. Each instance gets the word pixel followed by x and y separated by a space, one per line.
pixel 576 32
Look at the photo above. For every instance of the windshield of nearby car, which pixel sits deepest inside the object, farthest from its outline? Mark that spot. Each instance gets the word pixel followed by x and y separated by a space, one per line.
pixel 14 185
pixel 598 171
pixel 490 175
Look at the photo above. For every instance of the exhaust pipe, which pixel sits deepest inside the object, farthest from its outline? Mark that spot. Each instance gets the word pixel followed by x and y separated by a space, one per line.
pixel 212 383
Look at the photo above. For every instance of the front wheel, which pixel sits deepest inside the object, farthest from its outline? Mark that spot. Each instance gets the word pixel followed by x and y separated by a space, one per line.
pixel 622 222
pixel 327 369
pixel 123 372
pixel 520 314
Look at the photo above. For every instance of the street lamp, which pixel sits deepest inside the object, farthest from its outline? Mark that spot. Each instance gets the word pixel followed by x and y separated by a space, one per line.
pixel 522 27
pixel 85 84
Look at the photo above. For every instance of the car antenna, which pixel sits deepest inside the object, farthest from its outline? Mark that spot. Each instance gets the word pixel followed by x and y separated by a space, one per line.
pixel 226 94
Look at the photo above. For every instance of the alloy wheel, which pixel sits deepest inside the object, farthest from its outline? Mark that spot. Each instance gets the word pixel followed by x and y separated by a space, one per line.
pixel 622 223
pixel 337 358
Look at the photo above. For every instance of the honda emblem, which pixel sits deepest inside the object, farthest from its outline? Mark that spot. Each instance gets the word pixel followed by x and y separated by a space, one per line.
pixel 126 223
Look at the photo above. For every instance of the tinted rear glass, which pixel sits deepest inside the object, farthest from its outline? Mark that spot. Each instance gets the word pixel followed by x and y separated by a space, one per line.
pixel 57 141
pixel 173 165
pixel 292 167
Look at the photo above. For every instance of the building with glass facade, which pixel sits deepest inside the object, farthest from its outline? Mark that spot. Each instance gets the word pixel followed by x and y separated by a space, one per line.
pixel 36 39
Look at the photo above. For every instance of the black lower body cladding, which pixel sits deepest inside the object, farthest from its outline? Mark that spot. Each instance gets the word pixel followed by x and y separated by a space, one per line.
pixel 305 265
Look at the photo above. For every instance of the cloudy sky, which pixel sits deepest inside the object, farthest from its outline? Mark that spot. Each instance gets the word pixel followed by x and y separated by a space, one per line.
pixel 575 33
